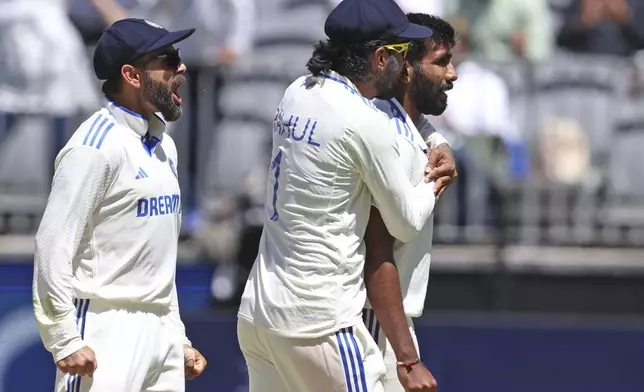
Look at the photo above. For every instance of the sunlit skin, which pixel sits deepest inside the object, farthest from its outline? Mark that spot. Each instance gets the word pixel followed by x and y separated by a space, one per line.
pixel 385 74
pixel 422 89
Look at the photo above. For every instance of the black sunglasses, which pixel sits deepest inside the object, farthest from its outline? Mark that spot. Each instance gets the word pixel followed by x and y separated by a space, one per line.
pixel 171 59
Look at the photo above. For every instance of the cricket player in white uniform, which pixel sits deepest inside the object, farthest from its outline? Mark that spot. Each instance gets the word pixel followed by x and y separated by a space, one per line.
pixel 431 73
pixel 300 320
pixel 104 290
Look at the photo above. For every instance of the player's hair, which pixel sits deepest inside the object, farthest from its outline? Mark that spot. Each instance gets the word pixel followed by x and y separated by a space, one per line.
pixel 111 86
pixel 350 60
pixel 444 35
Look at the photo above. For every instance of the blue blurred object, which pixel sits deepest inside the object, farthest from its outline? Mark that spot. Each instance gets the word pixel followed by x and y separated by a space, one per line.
pixel 518 159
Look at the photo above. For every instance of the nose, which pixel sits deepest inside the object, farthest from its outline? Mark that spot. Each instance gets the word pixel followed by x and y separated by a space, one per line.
pixel 182 69
pixel 452 75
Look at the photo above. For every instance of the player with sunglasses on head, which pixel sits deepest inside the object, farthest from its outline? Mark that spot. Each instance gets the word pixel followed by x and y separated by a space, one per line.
pixel 421 91
pixel 334 153
pixel 104 288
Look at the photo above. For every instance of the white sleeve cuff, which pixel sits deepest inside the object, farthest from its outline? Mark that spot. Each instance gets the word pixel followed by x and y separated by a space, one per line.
pixel 60 336
pixel 436 139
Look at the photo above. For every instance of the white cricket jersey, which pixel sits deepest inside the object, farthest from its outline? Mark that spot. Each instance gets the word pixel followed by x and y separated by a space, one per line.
pixel 111 225
pixel 334 153
pixel 412 258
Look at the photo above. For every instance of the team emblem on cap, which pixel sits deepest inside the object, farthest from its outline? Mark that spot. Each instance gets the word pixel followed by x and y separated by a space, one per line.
pixel 153 24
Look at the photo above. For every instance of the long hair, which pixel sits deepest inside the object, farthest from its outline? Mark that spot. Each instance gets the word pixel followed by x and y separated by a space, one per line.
pixel 350 60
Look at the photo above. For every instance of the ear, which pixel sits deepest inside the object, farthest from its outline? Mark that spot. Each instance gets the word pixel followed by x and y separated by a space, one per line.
pixel 380 57
pixel 131 75
pixel 407 73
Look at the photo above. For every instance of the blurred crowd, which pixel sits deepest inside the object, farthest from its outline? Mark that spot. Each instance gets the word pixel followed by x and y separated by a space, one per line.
pixel 544 119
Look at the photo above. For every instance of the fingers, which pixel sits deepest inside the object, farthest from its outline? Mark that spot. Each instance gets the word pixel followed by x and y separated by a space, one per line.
pixel 434 156
pixel 200 364
pixel 441 184
pixel 90 367
pixel 81 363
pixel 444 170
pixel 194 367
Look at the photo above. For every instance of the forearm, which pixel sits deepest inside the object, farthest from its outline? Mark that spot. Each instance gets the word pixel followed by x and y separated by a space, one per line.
pixel 110 11
pixel 52 295
pixel 175 315
pixel 405 207
pixel 240 37
pixel 383 289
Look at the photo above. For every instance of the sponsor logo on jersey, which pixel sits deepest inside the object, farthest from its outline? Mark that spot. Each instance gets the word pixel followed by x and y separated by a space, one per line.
pixel 159 205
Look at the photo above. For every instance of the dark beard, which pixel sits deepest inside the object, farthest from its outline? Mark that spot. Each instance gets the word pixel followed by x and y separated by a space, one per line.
pixel 388 80
pixel 426 95
pixel 160 95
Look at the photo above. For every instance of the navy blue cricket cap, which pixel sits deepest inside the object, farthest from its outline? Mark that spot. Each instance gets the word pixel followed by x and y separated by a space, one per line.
pixel 128 39
pixel 365 20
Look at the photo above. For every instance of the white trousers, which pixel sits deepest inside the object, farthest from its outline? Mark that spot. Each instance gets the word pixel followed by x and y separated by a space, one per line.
pixel 390 381
pixel 347 361
pixel 136 350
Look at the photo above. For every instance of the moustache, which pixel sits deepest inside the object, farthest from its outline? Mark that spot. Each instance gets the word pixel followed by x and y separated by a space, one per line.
pixel 447 86
pixel 178 82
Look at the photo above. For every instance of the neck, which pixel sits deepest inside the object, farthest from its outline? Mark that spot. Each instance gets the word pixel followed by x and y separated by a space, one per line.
pixel 131 104
pixel 367 89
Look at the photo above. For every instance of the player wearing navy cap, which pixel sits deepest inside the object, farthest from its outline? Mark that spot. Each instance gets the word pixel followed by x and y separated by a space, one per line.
pixel 104 288
pixel 334 155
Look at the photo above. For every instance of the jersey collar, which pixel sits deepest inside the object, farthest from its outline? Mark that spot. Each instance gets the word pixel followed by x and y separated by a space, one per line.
pixel 335 77
pixel 398 110
pixel 134 121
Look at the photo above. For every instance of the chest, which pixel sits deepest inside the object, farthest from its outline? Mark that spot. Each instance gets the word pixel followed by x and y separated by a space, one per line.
pixel 148 181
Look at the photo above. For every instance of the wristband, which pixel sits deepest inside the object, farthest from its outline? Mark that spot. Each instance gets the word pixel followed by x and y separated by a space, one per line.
pixel 409 365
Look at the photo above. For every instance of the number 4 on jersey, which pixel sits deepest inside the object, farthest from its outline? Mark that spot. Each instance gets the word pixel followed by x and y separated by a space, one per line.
pixel 275 165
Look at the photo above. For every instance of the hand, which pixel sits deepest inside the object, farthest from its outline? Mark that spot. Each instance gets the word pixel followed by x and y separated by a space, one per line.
pixel 617 10
pixel 441 168
pixel 592 11
pixel 82 362
pixel 195 363
pixel 518 40
pixel 226 56
pixel 418 379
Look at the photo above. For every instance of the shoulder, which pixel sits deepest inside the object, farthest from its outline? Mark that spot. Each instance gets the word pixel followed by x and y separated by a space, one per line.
pixel 372 129
pixel 384 105
pixel 97 135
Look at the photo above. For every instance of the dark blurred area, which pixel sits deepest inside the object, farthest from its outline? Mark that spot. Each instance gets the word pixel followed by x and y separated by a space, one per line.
pixel 546 218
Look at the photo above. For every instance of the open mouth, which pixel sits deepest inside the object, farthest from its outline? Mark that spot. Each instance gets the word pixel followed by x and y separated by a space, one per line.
pixel 176 97
pixel 175 93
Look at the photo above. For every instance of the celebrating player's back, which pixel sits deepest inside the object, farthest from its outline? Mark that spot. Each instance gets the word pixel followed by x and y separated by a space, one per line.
pixel 300 325
pixel 104 276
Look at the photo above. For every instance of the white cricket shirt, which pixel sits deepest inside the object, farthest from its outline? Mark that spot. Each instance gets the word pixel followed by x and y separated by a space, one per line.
pixel 413 258
pixel 111 225
pixel 334 153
